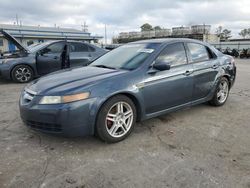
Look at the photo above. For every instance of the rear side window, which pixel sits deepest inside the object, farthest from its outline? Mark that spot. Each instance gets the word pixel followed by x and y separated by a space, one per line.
pixel 198 52
pixel 174 54
pixel 78 47
pixel 92 49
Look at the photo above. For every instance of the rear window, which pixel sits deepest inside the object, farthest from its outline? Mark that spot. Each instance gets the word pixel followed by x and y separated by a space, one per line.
pixel 198 52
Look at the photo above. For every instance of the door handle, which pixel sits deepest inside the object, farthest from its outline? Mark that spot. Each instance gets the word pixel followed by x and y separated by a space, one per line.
pixel 215 66
pixel 188 72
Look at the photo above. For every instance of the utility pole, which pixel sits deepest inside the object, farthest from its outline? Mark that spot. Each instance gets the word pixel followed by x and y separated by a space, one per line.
pixel 105 34
pixel 85 27
pixel 17 19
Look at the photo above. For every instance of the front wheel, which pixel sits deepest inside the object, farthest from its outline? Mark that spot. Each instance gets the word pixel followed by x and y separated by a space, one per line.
pixel 116 119
pixel 22 74
pixel 221 93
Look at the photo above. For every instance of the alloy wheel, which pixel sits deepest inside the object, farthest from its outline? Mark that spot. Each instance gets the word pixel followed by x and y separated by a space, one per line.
pixel 222 92
pixel 23 74
pixel 119 119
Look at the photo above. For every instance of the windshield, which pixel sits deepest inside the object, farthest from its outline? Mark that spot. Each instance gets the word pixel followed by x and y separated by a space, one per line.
pixel 35 48
pixel 129 56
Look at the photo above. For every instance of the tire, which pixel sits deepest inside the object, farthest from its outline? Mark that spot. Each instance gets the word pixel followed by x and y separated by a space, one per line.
pixel 114 125
pixel 221 93
pixel 22 74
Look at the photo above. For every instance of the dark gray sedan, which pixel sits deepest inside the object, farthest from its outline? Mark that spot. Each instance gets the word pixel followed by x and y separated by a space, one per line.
pixel 133 82
pixel 27 63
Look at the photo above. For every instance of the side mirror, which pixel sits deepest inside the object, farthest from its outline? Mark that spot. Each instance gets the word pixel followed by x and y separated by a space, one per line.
pixel 44 51
pixel 161 66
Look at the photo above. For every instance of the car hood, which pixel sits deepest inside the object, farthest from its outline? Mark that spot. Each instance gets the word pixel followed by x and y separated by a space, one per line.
pixel 14 41
pixel 71 80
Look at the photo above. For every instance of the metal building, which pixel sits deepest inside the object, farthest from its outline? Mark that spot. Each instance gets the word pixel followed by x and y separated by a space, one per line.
pixel 200 29
pixel 180 31
pixel 28 35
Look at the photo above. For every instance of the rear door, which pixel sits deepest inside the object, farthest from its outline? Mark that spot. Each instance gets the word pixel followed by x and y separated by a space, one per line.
pixel 205 66
pixel 49 58
pixel 169 88
pixel 79 54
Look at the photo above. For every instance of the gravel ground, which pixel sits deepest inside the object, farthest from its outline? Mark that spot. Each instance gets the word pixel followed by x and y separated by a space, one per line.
pixel 202 146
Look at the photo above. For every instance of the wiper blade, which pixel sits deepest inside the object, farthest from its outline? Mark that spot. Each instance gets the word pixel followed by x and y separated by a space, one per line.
pixel 104 66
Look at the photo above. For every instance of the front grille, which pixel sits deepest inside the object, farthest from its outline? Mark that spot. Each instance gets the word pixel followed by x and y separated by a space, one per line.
pixel 44 126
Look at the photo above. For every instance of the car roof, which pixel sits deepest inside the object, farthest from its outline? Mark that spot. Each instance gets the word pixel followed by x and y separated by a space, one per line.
pixel 168 40
pixel 52 41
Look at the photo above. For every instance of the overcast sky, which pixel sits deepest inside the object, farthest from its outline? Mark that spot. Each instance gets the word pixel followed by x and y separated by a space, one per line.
pixel 127 15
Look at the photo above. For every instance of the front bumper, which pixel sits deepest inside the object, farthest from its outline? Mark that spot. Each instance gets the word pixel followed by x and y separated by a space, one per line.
pixel 71 119
pixel 5 70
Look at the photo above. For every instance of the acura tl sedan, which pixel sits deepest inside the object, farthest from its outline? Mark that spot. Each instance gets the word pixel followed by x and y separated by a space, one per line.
pixel 27 63
pixel 134 82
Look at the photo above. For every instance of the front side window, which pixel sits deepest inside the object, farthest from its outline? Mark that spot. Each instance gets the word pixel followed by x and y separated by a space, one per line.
pixel 55 48
pixel 78 47
pixel 128 57
pixel 198 52
pixel 174 54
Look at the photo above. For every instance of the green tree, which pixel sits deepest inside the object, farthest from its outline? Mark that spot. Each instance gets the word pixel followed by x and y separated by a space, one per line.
pixel 226 34
pixel 223 34
pixel 219 31
pixel 146 27
pixel 245 33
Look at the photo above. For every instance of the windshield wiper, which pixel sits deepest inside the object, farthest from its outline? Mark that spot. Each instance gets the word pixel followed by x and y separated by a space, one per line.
pixel 104 66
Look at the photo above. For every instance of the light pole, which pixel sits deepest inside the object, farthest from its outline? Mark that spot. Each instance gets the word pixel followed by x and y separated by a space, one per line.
pixel 105 34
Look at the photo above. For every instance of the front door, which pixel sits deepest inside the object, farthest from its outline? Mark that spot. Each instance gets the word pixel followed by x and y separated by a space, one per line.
pixel 49 59
pixel 169 88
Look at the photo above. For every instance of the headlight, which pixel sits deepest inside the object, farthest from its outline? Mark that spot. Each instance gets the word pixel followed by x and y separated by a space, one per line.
pixel 64 99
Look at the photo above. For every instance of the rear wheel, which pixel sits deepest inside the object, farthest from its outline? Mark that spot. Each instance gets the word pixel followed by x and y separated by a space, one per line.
pixel 116 119
pixel 221 94
pixel 22 73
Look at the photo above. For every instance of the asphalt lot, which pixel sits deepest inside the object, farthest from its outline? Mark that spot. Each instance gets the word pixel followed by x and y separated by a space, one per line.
pixel 203 146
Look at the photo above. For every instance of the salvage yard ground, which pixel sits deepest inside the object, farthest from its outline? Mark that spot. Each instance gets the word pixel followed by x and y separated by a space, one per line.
pixel 203 146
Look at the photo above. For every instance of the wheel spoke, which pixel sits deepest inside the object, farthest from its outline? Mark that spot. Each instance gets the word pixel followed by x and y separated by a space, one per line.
pixel 225 86
pixel 124 126
pixel 120 107
pixel 128 114
pixel 111 115
pixel 219 94
pixel 110 119
pixel 114 129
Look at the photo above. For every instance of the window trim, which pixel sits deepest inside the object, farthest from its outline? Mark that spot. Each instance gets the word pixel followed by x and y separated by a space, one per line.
pixel 172 66
pixel 190 56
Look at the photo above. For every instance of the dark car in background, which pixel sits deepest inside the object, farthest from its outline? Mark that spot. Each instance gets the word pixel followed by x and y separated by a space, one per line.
pixel 134 82
pixel 27 63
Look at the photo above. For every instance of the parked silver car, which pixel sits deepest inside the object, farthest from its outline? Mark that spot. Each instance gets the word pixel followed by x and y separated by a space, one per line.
pixel 27 63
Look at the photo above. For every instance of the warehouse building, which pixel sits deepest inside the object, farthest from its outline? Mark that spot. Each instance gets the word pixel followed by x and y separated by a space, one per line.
pixel 28 35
